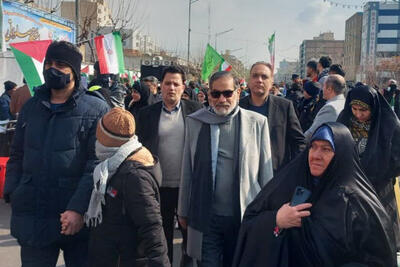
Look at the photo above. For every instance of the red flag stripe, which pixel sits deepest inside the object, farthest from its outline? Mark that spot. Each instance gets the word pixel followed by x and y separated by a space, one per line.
pixel 100 54
pixel 35 49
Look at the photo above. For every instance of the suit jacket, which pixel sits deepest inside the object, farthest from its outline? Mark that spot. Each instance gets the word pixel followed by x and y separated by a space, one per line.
pixel 254 159
pixel 148 119
pixel 328 113
pixel 287 138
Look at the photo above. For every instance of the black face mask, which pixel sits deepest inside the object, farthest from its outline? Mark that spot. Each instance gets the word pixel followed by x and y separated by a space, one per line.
pixel 393 87
pixel 55 79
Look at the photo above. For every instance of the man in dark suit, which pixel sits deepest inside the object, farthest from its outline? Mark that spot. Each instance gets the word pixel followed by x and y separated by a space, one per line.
pixel 286 136
pixel 161 128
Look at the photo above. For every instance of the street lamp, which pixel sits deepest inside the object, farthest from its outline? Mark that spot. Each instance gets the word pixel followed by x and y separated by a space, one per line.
pixel 189 29
pixel 219 34
pixel 77 14
pixel 235 50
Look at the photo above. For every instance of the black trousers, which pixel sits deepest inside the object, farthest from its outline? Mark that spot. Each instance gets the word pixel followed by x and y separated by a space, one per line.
pixel 169 205
pixel 219 242
pixel 75 254
pixel 112 245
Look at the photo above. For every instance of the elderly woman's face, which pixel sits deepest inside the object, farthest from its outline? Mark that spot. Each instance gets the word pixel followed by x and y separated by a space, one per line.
pixel 362 114
pixel 319 157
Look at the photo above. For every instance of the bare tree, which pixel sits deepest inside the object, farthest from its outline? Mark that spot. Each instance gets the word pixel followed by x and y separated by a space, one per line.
pixel 127 14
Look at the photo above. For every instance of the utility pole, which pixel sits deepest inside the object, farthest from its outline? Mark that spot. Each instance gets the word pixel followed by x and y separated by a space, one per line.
pixel 209 21
pixel 77 21
pixel 189 30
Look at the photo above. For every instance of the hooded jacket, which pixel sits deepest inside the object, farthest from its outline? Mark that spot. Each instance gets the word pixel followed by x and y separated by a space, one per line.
pixel 131 217
pixel 348 225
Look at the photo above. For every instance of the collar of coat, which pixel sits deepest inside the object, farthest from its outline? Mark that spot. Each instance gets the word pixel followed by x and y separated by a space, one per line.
pixel 43 93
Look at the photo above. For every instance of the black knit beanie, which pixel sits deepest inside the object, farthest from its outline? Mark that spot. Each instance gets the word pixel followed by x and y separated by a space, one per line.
pixel 8 85
pixel 67 53
pixel 312 88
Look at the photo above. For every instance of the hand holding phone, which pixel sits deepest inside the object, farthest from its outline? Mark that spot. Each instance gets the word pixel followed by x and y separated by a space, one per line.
pixel 301 195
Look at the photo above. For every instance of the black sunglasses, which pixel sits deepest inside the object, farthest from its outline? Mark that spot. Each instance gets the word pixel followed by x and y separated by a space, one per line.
pixel 226 94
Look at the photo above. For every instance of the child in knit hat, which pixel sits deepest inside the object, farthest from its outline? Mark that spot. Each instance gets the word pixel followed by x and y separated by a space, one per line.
pixel 124 210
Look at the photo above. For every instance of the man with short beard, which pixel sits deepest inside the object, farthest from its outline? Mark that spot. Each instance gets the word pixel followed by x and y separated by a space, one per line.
pixel 161 128
pixel 287 138
pixel 226 162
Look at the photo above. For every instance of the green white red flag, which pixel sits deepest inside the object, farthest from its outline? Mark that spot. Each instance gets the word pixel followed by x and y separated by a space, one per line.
pixel 271 49
pixel 30 57
pixel 110 53
pixel 225 66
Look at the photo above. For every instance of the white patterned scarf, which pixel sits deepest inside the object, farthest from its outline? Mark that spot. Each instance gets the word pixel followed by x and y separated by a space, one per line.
pixel 112 158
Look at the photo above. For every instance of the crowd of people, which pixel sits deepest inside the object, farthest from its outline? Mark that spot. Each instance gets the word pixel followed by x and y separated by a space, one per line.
pixel 254 173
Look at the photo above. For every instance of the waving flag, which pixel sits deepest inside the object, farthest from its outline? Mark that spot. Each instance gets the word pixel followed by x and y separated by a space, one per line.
pixel 110 53
pixel 211 61
pixel 30 57
pixel 271 49
pixel 225 66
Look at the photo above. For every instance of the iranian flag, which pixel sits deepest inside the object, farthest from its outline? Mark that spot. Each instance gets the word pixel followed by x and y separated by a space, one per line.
pixel 271 50
pixel 225 66
pixel 30 57
pixel 110 53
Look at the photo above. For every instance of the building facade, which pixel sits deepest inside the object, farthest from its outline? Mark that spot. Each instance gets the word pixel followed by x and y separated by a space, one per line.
pixel 380 34
pixel 285 71
pixel 322 45
pixel 352 46
pixel 94 14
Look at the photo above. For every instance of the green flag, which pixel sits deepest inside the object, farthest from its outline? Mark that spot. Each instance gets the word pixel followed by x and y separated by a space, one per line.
pixel 211 61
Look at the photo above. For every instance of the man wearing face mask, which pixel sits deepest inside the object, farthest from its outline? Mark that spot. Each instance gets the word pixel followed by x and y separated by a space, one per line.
pixel 392 96
pixel 49 174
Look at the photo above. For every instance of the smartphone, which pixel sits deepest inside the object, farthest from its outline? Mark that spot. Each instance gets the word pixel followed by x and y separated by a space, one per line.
pixel 300 196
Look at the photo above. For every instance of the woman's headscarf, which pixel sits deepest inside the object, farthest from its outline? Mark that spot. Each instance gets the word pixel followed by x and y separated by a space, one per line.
pixel 347 223
pixel 144 92
pixel 204 91
pixel 377 159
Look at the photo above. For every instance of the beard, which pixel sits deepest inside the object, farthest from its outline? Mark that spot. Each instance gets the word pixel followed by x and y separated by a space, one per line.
pixel 224 110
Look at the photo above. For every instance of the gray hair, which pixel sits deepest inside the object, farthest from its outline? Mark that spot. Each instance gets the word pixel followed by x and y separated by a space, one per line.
pixel 224 74
pixel 337 83
pixel 151 79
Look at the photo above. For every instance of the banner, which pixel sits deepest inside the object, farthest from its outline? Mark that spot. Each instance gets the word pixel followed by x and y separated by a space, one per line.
pixel 21 23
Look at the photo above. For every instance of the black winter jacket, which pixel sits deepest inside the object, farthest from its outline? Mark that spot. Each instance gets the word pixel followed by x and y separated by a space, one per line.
pixel 131 220
pixel 51 164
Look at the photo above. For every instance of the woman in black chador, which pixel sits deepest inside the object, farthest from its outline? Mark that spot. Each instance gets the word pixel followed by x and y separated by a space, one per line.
pixel 376 131
pixel 343 223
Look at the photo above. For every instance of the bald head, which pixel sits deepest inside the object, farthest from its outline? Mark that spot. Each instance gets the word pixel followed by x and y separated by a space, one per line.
pixel 336 82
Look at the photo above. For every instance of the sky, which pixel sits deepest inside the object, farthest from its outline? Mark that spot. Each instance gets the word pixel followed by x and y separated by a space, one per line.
pixel 252 20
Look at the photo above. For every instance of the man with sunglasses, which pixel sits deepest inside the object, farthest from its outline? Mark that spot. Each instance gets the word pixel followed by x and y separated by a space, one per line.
pixel 226 162
pixel 287 138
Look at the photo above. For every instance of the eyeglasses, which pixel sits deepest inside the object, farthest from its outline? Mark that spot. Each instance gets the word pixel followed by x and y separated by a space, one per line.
pixel 226 94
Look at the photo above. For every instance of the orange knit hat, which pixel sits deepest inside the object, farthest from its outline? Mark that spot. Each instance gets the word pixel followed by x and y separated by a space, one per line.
pixel 115 128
